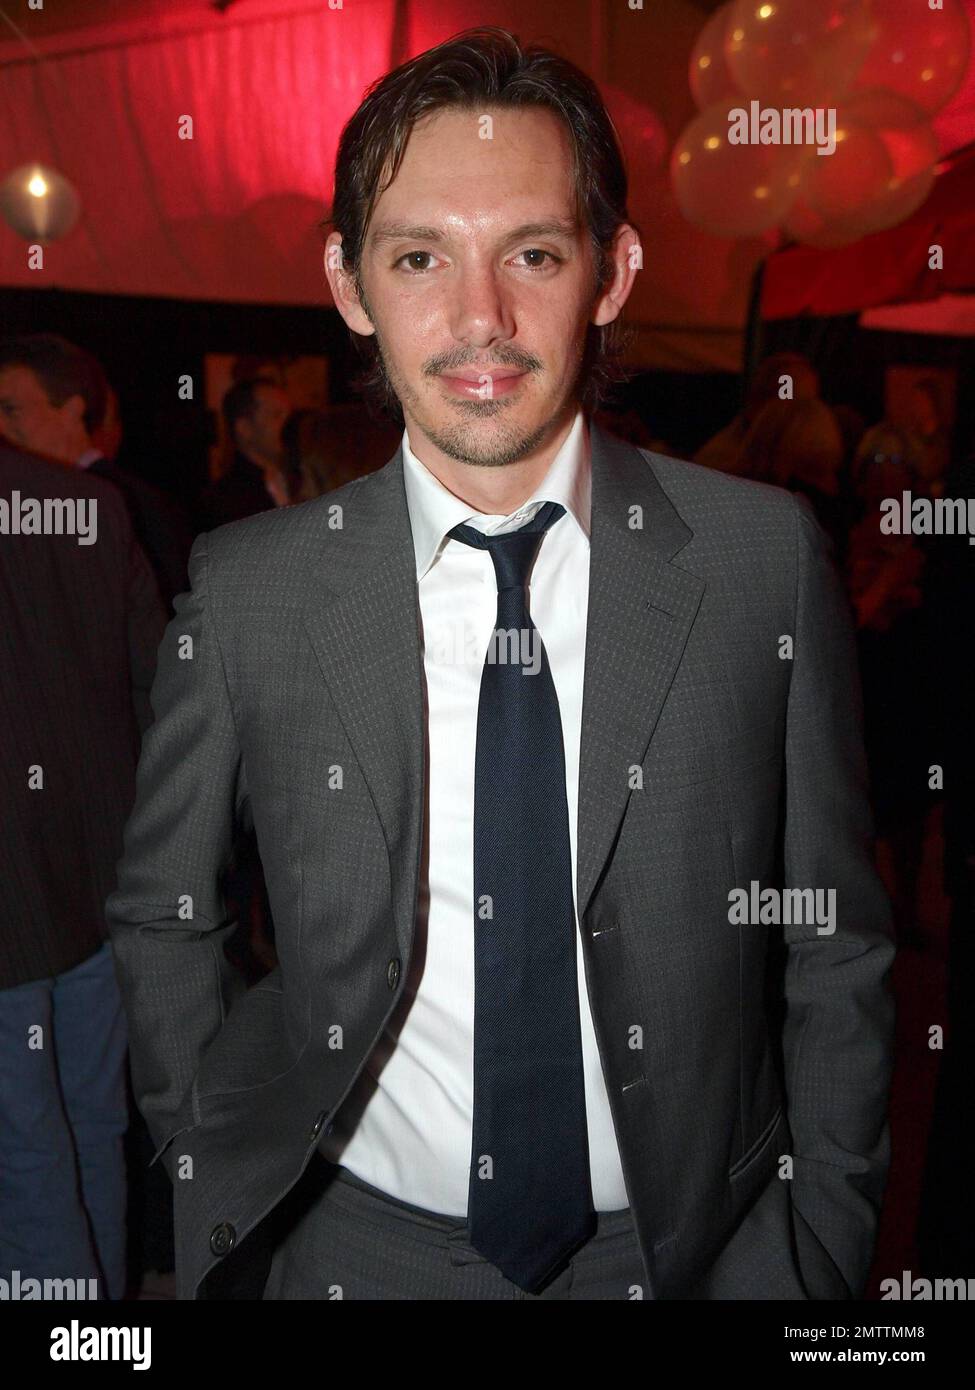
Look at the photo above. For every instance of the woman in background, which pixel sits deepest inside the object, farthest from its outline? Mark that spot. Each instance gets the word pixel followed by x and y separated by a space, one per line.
pixel 325 448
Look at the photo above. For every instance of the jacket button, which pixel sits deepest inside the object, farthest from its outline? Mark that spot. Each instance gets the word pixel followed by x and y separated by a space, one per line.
pixel 392 973
pixel 316 1128
pixel 223 1238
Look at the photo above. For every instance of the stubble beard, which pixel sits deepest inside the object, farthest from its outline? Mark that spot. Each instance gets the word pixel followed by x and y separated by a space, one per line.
pixel 463 441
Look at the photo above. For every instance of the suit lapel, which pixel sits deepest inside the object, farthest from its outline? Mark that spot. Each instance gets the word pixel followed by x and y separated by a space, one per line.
pixel 363 622
pixel 641 609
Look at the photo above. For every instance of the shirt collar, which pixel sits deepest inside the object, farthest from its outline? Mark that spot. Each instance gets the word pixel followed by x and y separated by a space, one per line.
pixel 434 510
pixel 86 459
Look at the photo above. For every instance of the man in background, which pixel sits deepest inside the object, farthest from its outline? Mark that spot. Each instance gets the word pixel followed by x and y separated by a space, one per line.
pixel 56 401
pixel 81 625
pixel 254 412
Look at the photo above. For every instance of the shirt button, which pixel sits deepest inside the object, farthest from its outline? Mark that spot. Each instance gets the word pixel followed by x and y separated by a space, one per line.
pixel 392 973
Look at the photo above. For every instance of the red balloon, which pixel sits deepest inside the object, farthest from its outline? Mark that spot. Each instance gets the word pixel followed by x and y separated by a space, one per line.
pixel 896 151
pixel 912 149
pixel 917 52
pixel 798 52
pixel 732 190
pixel 709 75
pixel 642 135
pixel 858 172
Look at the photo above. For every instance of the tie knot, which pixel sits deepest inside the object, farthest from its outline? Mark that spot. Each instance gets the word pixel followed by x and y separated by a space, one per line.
pixel 513 551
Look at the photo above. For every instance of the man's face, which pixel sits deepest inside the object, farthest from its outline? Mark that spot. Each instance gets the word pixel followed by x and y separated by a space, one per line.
pixel 473 265
pixel 30 421
pixel 262 432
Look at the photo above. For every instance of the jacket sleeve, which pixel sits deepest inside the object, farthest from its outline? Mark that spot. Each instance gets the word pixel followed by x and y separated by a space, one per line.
pixel 839 1023
pixel 167 915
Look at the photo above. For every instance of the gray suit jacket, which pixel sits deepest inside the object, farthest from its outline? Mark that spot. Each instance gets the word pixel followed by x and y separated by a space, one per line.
pixel 765 1049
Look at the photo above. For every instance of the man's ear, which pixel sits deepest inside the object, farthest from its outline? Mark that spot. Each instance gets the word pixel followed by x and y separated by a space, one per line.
pixel 342 287
pixel 626 256
pixel 75 407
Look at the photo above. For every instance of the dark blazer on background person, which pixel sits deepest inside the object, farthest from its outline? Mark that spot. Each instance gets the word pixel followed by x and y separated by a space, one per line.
pixel 80 626
pixel 160 526
pixel 236 494
pixel 759 1041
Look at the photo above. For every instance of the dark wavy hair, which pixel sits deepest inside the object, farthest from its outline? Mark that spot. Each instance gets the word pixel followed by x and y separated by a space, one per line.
pixel 480 67
pixel 63 368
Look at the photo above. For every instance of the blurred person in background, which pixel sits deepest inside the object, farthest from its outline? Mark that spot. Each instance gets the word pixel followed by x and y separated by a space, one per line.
pixel 723 451
pixel 884 578
pixel 313 453
pixel 56 402
pixel 324 449
pixel 629 424
pixel 81 626
pixel 852 427
pixel 925 412
pixel 254 412
pixel 798 444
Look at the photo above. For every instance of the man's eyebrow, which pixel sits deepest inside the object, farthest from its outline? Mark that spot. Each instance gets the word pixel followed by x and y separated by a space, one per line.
pixel 401 231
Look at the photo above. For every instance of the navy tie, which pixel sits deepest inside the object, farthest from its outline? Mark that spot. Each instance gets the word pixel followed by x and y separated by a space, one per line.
pixel 530 1200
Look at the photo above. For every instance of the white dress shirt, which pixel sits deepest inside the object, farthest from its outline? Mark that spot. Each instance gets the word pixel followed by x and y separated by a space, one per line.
pixel 407 1125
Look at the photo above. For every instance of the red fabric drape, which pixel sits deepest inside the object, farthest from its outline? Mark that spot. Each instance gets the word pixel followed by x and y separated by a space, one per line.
pixel 230 214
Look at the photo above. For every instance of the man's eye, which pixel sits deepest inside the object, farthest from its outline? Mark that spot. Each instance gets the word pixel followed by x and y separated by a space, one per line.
pixel 536 251
pixel 413 255
pixel 538 265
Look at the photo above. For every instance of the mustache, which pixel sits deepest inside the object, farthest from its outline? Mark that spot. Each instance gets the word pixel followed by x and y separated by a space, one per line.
pixel 448 362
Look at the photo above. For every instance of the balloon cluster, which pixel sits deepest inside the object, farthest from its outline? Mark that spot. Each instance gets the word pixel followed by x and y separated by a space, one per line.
pixel 872 71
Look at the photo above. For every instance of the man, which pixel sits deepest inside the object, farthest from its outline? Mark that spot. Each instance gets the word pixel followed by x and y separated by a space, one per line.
pixel 55 401
pixel 518 1044
pixel 254 412
pixel 81 624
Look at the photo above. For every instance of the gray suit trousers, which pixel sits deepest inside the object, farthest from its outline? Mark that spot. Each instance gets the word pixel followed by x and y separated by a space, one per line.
pixel 340 1238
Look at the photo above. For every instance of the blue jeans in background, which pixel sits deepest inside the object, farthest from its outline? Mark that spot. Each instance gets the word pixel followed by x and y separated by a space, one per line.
pixel 63 1116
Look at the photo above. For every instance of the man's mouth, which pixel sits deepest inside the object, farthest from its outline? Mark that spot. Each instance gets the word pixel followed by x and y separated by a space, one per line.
pixel 485 385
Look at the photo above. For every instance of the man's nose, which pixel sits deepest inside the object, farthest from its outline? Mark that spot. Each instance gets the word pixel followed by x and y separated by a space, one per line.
pixel 481 312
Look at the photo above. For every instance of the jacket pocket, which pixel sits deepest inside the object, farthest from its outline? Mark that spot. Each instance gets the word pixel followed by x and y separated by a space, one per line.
pixel 759 1149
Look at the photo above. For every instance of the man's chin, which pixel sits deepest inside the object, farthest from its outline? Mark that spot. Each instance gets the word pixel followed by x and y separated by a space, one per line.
pixel 487 441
